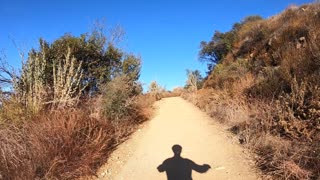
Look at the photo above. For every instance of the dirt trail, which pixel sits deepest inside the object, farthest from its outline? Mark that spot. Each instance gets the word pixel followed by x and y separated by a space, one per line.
pixel 202 139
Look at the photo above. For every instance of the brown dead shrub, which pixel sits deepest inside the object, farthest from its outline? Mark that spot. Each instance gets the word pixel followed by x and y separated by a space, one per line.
pixel 14 154
pixel 69 144
pixel 255 123
pixel 58 145
pixel 65 144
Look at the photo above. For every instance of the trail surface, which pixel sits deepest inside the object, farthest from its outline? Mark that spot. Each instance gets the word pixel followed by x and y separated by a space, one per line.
pixel 203 141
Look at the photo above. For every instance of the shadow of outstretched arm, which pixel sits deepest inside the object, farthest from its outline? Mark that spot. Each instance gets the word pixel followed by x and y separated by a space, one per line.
pixel 161 168
pixel 200 168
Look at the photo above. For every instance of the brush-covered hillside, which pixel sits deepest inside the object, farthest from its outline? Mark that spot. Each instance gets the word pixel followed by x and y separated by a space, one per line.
pixel 264 81
pixel 72 103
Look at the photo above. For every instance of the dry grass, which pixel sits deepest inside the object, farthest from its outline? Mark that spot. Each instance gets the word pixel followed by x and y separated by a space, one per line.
pixel 12 111
pixel 255 123
pixel 59 145
pixel 70 144
pixel 65 144
pixel 14 154
pixel 219 105
pixel 285 159
pixel 168 94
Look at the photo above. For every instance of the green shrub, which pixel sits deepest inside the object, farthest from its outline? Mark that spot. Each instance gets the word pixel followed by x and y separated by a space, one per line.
pixel 268 84
pixel 117 98
pixel 225 74
pixel 13 112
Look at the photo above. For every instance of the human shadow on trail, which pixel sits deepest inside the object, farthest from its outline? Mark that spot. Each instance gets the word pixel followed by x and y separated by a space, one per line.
pixel 179 168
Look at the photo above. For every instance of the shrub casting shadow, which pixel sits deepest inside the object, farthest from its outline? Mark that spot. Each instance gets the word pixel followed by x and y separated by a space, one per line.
pixel 178 168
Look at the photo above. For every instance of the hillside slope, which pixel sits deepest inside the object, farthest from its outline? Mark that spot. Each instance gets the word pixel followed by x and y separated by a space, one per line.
pixel 264 80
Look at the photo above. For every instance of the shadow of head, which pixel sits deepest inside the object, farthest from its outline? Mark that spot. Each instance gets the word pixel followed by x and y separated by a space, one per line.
pixel 177 149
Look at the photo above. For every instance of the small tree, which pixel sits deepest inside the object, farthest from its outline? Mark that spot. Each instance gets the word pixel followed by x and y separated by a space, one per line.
pixel 154 87
pixel 194 81
pixel 215 50
pixel 155 90
pixel 130 67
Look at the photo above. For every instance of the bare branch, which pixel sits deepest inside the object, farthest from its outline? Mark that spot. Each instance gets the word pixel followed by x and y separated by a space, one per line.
pixel 116 35
pixel 7 72
pixel 20 51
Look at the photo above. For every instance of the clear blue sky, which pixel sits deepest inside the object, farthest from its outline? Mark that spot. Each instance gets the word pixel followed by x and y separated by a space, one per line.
pixel 165 33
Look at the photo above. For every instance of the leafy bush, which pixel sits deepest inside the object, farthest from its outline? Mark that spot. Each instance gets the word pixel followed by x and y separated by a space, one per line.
pixel 117 98
pixel 225 74
pixel 268 84
pixel 12 111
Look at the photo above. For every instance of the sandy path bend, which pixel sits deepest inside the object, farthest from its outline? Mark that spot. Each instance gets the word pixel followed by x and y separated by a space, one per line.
pixel 202 139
